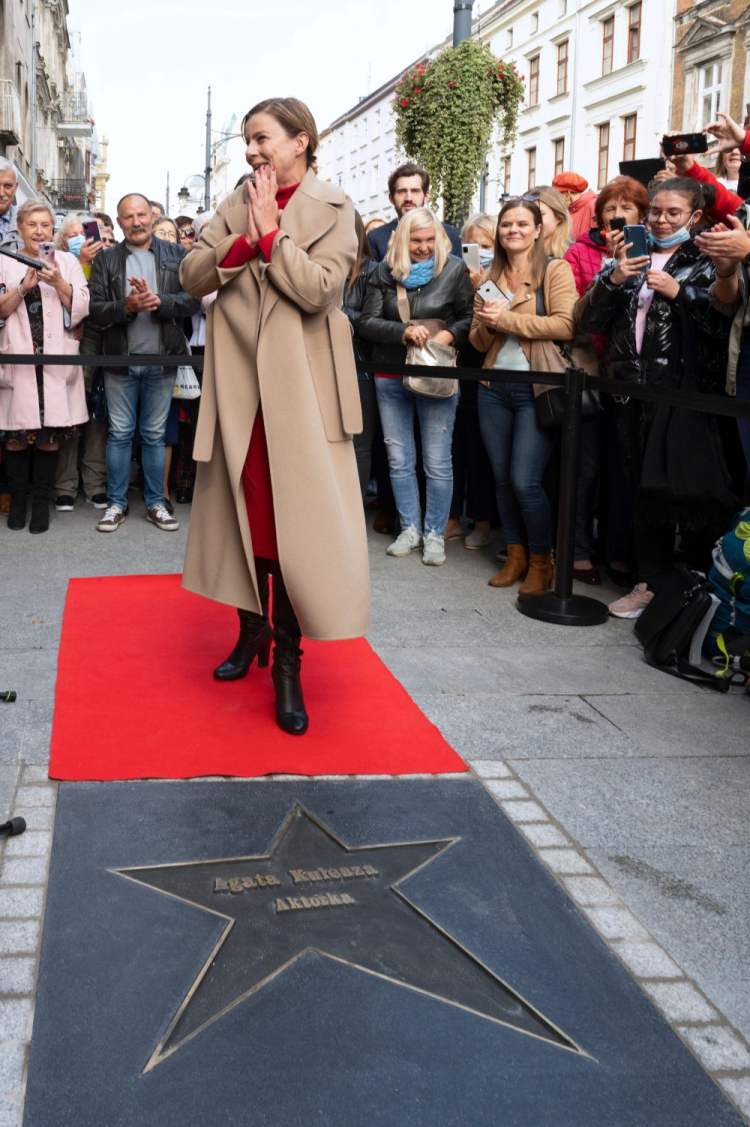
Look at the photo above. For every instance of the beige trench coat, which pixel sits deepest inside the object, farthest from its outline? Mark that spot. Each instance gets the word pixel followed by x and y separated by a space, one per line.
pixel 276 334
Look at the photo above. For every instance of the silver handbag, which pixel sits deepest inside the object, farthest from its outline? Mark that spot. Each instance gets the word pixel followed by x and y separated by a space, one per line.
pixel 430 355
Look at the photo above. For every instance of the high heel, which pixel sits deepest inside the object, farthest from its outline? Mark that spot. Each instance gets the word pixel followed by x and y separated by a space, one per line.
pixel 254 641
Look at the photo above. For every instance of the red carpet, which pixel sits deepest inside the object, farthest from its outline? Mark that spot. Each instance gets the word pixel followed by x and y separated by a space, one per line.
pixel 135 697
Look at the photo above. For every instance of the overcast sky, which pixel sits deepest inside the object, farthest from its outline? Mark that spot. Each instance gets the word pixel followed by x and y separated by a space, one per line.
pixel 148 64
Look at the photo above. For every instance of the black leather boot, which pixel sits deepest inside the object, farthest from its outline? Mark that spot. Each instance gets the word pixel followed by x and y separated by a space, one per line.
pixel 291 715
pixel 255 638
pixel 43 480
pixel 17 464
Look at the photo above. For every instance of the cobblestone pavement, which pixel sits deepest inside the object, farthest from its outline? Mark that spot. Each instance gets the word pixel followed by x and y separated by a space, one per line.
pixel 630 786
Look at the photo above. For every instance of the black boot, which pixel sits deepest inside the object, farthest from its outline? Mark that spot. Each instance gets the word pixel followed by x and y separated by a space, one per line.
pixel 43 480
pixel 17 464
pixel 287 660
pixel 255 638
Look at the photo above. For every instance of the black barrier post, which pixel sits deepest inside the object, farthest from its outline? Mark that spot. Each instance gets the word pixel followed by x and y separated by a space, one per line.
pixel 561 605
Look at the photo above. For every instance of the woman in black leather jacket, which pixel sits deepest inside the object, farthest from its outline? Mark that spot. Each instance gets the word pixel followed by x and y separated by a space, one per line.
pixel 661 330
pixel 438 288
pixel 354 299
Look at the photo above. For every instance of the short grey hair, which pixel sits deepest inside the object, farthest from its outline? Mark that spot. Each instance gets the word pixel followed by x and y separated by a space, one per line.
pixel 8 166
pixel 28 208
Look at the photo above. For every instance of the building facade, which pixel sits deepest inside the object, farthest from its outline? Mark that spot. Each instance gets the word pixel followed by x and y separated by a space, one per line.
pixel 66 143
pixel 598 91
pixel 712 64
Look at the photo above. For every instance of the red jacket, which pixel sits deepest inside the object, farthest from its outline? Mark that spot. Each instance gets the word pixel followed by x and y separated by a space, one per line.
pixel 585 257
pixel 726 202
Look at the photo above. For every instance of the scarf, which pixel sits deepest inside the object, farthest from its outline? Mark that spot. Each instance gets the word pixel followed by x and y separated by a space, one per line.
pixel 420 274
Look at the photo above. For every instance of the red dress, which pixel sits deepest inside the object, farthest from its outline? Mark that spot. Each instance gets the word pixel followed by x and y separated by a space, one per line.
pixel 256 474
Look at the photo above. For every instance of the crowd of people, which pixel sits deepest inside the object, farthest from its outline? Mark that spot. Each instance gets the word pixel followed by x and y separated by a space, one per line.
pixel 552 283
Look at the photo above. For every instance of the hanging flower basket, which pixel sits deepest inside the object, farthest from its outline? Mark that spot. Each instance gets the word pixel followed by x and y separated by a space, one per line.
pixel 446 110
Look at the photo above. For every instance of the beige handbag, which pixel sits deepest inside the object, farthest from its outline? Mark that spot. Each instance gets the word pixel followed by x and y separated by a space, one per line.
pixel 430 355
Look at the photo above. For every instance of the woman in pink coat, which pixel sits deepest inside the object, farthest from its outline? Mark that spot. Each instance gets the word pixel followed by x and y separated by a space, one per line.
pixel 38 405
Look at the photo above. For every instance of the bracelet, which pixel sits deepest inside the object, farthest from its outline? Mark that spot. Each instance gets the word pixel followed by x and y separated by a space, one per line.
pixel 732 275
pixel 21 292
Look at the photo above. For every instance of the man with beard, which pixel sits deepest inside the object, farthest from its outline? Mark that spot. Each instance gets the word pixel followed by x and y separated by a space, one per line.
pixel 408 187
pixel 143 317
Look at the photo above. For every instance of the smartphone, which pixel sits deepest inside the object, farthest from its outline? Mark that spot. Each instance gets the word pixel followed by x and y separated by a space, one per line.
pixel 47 253
pixel 683 143
pixel 92 231
pixel 637 236
pixel 470 255
pixel 488 291
pixel 617 224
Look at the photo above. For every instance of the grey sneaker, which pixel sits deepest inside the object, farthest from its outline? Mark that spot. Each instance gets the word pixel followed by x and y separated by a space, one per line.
pixel 478 540
pixel 159 516
pixel 112 519
pixel 434 550
pixel 408 541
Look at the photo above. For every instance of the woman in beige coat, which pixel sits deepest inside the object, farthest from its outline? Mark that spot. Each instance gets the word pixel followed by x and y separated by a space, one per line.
pixel 277 492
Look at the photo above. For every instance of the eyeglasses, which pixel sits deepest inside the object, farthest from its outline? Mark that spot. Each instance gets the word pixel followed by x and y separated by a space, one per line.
pixel 673 215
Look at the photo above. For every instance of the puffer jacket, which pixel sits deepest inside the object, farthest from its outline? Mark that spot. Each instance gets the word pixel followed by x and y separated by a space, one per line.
pixel 610 311
pixel 586 257
pixel 448 298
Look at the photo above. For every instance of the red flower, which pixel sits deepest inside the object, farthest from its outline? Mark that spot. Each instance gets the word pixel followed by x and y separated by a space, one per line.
pixel 416 89
pixel 452 85
pixel 404 101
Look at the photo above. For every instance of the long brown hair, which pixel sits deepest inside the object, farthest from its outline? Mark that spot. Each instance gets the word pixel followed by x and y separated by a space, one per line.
pixel 364 254
pixel 538 257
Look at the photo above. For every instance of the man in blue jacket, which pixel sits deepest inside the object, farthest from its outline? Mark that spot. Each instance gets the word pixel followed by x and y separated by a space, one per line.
pixel 408 187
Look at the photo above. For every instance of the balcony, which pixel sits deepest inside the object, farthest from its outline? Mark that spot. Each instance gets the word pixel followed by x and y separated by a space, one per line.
pixel 69 195
pixel 10 113
pixel 75 120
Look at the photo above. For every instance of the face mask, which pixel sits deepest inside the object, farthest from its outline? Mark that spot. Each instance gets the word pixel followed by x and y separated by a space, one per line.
pixel 486 257
pixel 681 235
pixel 75 244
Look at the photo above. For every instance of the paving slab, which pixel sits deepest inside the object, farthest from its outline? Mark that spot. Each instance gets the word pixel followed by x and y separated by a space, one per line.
pixel 124 966
pixel 662 726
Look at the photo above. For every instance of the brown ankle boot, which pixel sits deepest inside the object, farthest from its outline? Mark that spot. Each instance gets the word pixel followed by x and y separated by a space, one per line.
pixel 541 574
pixel 515 568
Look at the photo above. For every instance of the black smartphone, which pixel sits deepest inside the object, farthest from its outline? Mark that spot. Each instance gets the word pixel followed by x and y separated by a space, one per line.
pixel 617 224
pixel 682 144
pixel 636 234
pixel 91 230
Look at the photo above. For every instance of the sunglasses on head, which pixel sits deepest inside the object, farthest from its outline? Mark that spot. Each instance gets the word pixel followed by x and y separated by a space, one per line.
pixel 527 197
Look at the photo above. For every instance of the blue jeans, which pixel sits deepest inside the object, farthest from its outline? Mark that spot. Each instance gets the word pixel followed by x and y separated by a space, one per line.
pixel 519 450
pixel 154 388
pixel 436 418
pixel 743 393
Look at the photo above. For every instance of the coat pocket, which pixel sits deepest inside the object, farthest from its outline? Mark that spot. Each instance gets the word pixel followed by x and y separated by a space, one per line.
pixel 72 347
pixel 324 381
pixel 6 370
pixel 346 371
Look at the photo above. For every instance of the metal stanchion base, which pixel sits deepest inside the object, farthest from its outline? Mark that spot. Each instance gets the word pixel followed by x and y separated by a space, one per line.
pixel 577 610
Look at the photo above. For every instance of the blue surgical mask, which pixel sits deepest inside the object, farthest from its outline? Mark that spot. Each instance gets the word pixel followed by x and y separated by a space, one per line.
pixel 681 235
pixel 486 257
pixel 75 243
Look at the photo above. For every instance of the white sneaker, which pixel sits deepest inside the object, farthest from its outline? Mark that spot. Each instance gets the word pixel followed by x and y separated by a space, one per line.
pixel 434 550
pixel 632 605
pixel 409 540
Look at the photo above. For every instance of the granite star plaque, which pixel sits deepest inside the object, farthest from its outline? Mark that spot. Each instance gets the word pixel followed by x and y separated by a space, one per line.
pixel 311 892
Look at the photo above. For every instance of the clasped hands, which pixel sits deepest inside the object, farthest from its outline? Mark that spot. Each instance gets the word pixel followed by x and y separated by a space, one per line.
pixel 142 298
pixel 262 210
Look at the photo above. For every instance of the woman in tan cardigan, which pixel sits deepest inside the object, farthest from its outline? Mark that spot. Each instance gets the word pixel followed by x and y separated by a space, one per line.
pixel 505 330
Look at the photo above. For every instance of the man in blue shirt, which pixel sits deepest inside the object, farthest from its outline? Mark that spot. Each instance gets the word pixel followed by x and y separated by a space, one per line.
pixel 408 187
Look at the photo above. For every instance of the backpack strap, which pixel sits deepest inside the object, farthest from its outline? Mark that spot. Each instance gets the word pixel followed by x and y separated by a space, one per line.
pixel 687 672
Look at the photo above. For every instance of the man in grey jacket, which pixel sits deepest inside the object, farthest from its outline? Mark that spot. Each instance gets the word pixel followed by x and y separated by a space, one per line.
pixel 8 209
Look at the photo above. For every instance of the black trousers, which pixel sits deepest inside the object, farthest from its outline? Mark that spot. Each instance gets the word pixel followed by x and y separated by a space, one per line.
pixel 654 546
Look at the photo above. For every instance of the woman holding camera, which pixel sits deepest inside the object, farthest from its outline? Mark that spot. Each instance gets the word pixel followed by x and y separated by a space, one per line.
pixel 655 314
pixel 39 405
pixel 419 292
pixel 505 329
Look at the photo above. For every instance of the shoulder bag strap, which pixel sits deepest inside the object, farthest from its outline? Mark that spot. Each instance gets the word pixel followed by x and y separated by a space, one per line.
pixel 404 311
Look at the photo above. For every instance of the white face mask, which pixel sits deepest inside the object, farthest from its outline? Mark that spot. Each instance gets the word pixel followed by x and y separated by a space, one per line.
pixel 486 257
pixel 681 235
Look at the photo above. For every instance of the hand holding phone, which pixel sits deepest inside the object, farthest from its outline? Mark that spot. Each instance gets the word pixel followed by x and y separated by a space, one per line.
pixel 488 291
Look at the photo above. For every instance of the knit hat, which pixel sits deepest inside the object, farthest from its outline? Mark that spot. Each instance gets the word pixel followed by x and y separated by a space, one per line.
pixel 570 182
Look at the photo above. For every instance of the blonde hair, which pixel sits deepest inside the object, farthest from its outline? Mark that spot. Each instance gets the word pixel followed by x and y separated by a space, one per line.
pixel 562 236
pixel 28 208
pixel 398 256
pixel 478 222
pixel 61 237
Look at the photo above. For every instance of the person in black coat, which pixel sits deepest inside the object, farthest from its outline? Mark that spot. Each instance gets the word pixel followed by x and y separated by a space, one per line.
pixel 354 299
pixel 408 187
pixel 436 289
pixel 661 330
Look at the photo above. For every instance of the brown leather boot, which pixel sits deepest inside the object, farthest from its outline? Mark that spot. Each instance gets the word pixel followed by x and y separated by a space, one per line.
pixel 515 568
pixel 541 575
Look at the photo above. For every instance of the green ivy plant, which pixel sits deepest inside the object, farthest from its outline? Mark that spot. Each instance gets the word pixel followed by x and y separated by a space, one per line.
pixel 446 110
